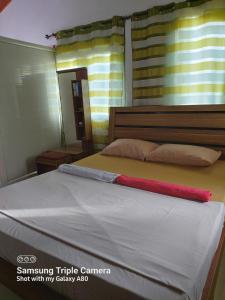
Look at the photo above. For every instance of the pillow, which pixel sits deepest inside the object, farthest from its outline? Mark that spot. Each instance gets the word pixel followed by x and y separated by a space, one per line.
pixel 165 188
pixel 131 148
pixel 184 155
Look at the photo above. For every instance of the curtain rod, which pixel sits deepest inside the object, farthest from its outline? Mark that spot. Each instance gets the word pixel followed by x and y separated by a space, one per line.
pixel 49 36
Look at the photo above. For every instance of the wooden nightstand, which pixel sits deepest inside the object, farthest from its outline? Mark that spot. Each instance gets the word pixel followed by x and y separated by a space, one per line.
pixel 50 160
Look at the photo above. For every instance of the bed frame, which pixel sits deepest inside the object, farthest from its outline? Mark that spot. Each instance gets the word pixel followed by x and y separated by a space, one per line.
pixel 190 124
pixel 200 125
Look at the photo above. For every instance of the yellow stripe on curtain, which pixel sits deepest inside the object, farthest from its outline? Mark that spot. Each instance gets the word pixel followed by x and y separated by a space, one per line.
pixel 94 42
pixel 179 53
pixel 151 92
pixel 100 109
pixel 100 48
pixel 196 88
pixel 199 44
pixel 197 66
pixel 115 57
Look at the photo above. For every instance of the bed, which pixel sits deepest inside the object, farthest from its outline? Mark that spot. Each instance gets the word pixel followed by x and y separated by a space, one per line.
pixel 204 125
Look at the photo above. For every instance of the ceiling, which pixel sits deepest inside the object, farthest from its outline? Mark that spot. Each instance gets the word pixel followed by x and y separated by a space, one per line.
pixel 30 20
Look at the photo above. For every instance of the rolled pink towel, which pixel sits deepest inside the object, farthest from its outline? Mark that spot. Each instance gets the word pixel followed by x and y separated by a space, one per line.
pixel 165 188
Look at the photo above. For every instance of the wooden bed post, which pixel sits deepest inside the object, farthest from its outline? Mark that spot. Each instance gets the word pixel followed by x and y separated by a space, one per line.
pixel 112 115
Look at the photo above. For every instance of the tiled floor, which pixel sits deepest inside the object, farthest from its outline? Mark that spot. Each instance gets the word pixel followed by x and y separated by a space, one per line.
pixel 6 294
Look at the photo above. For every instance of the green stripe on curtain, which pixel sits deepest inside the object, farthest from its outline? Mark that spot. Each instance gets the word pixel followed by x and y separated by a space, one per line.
pixel 100 48
pixel 179 53
pixel 152 30
pixel 148 72
pixel 149 52
pixel 90 28
pixel 165 9
pixel 196 88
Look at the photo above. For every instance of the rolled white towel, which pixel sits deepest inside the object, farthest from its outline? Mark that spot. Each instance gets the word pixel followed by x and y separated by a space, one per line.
pixel 88 173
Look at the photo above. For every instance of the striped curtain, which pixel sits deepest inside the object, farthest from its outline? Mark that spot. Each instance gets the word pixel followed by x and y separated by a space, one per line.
pixel 179 53
pixel 100 48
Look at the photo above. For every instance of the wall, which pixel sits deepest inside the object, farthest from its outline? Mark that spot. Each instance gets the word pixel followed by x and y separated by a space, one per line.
pixel 29 106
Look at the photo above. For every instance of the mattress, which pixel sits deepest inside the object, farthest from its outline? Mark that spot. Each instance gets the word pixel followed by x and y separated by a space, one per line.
pixel 26 206
pixel 211 178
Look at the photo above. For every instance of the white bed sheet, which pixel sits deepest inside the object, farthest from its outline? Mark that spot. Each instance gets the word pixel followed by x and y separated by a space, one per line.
pixel 25 240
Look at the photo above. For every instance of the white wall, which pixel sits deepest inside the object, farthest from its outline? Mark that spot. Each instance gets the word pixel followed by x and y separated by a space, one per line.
pixel 29 106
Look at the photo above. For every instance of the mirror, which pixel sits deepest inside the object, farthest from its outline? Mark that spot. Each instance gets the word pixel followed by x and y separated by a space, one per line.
pixel 75 104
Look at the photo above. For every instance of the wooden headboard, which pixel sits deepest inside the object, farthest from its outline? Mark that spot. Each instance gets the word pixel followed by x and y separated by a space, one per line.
pixel 189 124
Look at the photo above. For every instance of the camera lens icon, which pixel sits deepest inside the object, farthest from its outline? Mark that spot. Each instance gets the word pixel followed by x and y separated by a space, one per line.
pixel 26 259
pixel 20 259
pixel 33 259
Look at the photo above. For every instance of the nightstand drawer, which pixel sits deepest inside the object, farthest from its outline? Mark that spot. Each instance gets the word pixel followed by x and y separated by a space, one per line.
pixel 50 160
